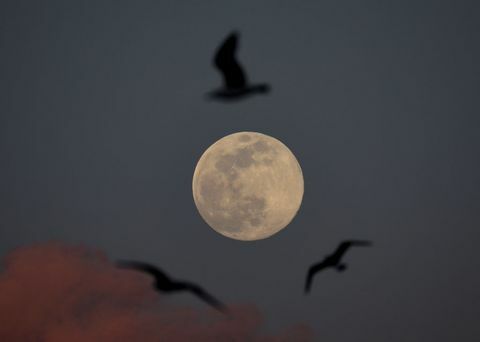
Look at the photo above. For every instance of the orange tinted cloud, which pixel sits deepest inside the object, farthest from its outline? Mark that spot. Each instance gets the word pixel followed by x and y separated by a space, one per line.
pixel 56 293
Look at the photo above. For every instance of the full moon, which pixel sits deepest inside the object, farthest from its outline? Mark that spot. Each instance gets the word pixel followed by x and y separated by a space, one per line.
pixel 248 186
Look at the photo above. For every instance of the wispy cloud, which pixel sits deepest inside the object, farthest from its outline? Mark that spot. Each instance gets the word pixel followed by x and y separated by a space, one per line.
pixel 56 292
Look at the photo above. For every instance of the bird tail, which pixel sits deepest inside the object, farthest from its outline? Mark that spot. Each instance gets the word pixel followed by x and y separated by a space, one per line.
pixel 263 88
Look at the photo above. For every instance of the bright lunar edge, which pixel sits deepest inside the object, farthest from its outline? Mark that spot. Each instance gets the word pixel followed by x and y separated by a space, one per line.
pixel 248 186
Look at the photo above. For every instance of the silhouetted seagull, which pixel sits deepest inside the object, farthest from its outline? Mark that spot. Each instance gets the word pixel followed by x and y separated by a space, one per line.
pixel 333 260
pixel 235 81
pixel 164 284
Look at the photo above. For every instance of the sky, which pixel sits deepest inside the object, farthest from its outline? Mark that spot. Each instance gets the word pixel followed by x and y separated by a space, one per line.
pixel 103 117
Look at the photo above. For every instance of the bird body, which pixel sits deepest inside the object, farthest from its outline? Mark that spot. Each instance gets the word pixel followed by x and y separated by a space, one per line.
pixel 333 261
pixel 236 85
pixel 164 283
pixel 235 94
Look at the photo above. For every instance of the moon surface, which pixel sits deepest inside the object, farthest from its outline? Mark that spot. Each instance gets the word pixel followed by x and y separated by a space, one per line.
pixel 248 186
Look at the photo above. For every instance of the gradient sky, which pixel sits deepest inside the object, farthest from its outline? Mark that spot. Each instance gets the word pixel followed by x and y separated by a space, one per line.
pixel 103 117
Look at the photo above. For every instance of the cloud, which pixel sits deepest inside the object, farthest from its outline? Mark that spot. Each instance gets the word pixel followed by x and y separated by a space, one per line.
pixel 54 293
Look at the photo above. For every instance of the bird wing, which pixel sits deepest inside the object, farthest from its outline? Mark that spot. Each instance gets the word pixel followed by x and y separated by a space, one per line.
pixel 225 61
pixel 314 269
pixel 203 295
pixel 345 245
pixel 159 275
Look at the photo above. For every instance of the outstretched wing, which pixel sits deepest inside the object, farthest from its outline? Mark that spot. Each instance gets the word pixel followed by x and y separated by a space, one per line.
pixel 146 268
pixel 314 269
pixel 345 245
pixel 225 61
pixel 203 295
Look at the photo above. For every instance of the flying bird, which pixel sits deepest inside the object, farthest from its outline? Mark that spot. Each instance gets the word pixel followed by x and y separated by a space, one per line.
pixel 333 260
pixel 236 85
pixel 164 283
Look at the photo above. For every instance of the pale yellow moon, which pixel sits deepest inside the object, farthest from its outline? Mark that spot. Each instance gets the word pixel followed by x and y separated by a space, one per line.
pixel 248 186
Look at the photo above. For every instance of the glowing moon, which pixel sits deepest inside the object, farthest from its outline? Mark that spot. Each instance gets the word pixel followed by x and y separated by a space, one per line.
pixel 248 186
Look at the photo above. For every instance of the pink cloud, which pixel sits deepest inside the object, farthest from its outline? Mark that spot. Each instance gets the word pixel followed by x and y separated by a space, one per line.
pixel 56 293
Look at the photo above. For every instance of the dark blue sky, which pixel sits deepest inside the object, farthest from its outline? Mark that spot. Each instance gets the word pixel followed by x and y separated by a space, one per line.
pixel 103 117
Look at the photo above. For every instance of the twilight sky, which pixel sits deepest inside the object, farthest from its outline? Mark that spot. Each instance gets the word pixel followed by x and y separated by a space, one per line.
pixel 103 117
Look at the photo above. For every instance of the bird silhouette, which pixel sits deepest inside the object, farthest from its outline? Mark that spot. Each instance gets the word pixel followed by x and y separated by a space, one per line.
pixel 236 85
pixel 164 283
pixel 333 260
